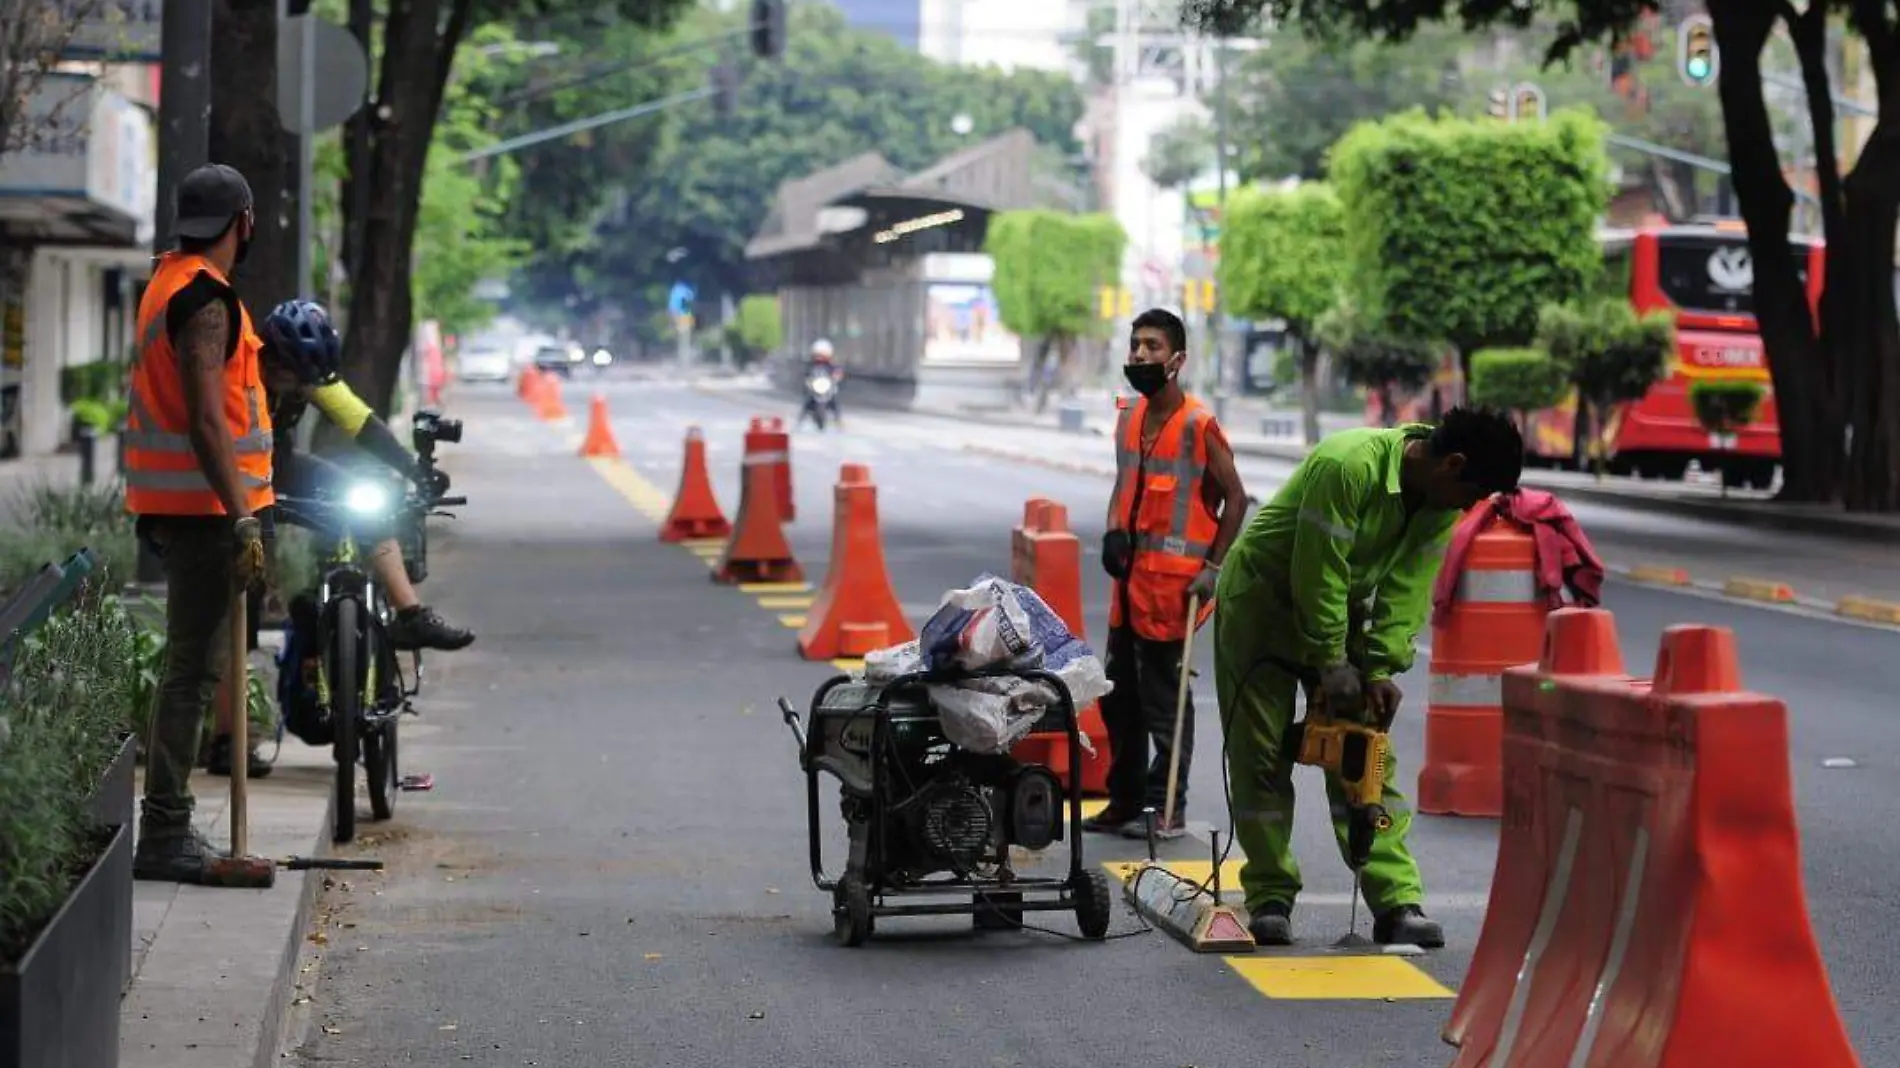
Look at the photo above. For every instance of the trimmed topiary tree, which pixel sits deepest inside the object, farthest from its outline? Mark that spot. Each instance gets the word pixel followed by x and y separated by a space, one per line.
pixel 1050 267
pixel 1516 380
pixel 1463 229
pixel 1724 407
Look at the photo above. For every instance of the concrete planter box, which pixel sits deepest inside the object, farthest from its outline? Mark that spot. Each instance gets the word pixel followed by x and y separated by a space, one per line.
pixel 114 801
pixel 59 1003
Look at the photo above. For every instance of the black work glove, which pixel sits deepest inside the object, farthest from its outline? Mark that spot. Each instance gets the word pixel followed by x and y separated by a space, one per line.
pixel 1118 553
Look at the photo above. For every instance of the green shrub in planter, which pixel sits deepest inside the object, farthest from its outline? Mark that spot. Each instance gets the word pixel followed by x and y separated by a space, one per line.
pixel 1724 407
pixel 1516 380
pixel 64 713
pixel 52 522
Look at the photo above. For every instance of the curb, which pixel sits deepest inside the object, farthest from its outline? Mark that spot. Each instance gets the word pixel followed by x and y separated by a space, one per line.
pixel 1868 610
pixel 1755 589
pixel 274 1032
pixel 1769 592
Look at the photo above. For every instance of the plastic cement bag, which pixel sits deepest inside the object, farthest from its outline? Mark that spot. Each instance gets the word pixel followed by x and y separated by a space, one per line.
pixel 995 624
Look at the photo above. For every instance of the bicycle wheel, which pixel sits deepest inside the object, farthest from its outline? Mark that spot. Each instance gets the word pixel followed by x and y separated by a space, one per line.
pixel 379 767
pixel 346 709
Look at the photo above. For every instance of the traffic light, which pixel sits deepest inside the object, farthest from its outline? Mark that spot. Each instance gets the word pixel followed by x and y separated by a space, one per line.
pixel 1695 46
pixel 768 28
pixel 1527 102
pixel 1499 104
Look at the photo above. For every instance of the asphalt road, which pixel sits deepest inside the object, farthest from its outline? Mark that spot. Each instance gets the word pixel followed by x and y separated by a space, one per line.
pixel 612 866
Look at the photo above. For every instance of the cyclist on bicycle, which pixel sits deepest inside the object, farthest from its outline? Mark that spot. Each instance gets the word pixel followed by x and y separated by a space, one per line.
pixel 301 356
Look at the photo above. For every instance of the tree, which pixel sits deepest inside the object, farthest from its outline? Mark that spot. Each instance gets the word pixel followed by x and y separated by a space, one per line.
pixel 1610 354
pixel 33 33
pixel 1462 230
pixel 760 330
pixel 1373 358
pixel 691 187
pixel 1179 153
pixel 1282 258
pixel 1050 268
pixel 1858 336
pixel 1516 380
pixel 388 154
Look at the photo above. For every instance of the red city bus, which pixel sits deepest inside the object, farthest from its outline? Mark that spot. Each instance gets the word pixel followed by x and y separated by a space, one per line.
pixel 1701 273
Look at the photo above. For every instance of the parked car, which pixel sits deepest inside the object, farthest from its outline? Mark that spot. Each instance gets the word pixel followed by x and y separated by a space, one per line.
pixel 556 359
pixel 484 365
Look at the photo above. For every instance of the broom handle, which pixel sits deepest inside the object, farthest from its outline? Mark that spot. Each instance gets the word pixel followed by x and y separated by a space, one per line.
pixel 1180 709
pixel 237 677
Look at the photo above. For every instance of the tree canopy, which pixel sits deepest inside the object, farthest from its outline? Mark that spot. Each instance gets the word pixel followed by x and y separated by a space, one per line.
pixel 1050 266
pixel 1282 254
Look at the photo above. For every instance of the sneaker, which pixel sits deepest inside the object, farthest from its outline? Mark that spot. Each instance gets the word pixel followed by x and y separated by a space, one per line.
pixel 219 760
pixel 1138 828
pixel 1272 925
pixel 1406 925
pixel 421 628
pixel 1110 820
pixel 173 858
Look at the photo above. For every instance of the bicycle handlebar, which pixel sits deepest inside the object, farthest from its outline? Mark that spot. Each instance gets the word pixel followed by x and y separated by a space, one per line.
pixel 450 502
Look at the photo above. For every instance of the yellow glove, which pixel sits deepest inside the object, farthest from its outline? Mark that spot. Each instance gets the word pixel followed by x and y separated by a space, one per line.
pixel 248 569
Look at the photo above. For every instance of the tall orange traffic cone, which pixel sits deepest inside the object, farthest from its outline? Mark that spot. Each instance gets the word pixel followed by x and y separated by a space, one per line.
pixel 856 612
pixel 548 402
pixel 757 551
pixel 600 432
pixel 695 511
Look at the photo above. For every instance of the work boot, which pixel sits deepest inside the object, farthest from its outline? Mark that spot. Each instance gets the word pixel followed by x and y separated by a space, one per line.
pixel 1406 925
pixel 1272 925
pixel 1110 820
pixel 173 858
pixel 419 627
pixel 219 762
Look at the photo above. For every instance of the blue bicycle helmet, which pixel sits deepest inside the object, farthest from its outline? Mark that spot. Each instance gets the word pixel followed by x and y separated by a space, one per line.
pixel 299 333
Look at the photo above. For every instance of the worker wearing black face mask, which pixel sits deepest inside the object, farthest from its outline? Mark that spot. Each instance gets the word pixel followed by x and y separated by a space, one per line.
pixel 1177 506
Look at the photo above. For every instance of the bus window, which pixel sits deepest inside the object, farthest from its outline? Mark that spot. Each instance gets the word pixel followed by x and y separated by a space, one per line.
pixel 1713 274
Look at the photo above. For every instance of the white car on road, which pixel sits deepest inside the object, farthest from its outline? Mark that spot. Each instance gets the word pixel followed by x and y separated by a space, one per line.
pixel 484 365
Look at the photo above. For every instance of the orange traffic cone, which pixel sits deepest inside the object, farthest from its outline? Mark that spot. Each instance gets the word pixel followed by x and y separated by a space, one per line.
pixel 600 432
pixel 757 551
pixel 856 612
pixel 695 511
pixel 525 383
pixel 547 403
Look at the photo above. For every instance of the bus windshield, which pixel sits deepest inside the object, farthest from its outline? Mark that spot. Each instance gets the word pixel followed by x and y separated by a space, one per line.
pixel 1713 274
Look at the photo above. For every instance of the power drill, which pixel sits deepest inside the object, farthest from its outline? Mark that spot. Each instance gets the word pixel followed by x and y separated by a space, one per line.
pixel 1358 752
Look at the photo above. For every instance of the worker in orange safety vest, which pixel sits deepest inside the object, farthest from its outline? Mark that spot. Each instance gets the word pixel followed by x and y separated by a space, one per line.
pixel 197 472
pixel 1177 505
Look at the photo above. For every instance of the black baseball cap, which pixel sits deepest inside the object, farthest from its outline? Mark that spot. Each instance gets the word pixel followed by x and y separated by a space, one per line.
pixel 208 199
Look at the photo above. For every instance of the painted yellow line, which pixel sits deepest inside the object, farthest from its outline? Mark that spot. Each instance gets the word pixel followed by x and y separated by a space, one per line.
pixel 1194 871
pixel 711 552
pixel 1753 589
pixel 1337 978
pixel 847 664
pixel 802 600
pixel 774 587
pixel 1093 806
pixel 640 493
pixel 700 544
pixel 793 622
pixel 1869 609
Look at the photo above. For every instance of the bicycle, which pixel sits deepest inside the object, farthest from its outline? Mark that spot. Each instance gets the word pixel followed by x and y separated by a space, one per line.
pixel 361 693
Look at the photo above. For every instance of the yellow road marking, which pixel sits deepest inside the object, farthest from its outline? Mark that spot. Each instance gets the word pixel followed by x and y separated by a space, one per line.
pixel 1092 806
pixel 774 587
pixel 848 664
pixel 699 544
pixel 793 622
pixel 1198 872
pixel 640 493
pixel 1337 978
pixel 802 600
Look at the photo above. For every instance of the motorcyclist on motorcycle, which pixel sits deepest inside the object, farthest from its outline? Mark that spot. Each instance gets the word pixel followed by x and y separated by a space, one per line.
pixel 301 359
pixel 823 376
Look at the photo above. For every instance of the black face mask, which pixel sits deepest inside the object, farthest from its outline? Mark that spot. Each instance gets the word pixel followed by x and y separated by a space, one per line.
pixel 1147 379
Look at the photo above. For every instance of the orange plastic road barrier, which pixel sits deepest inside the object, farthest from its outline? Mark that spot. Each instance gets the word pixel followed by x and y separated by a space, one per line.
pixel 1647 908
pixel 757 551
pixel 1046 556
pixel 600 431
pixel 547 402
pixel 767 438
pixel 695 513
pixel 856 612
pixel 1496 622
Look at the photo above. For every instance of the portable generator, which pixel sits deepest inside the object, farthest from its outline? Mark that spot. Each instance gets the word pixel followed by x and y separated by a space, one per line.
pixel 926 818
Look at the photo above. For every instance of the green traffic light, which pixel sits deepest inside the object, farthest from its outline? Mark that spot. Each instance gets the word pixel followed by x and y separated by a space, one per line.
pixel 1699 67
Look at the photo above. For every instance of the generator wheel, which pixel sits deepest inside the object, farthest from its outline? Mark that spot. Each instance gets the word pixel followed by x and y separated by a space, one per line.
pixel 993 911
pixel 1094 906
pixel 851 917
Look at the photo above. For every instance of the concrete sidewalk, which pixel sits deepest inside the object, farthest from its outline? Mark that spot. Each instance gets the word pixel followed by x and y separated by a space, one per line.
pixel 215 972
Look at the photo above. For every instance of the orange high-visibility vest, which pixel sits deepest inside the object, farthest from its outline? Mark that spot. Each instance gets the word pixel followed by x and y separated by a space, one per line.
pixel 162 475
pixel 1160 500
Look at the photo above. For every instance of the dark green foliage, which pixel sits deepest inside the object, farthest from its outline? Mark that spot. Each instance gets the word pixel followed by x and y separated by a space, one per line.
pixel 1722 407
pixel 1606 350
pixel 1518 380
pixel 1370 357
pixel 1461 230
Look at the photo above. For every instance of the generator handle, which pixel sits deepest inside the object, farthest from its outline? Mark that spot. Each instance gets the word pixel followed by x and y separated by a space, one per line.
pixel 790 714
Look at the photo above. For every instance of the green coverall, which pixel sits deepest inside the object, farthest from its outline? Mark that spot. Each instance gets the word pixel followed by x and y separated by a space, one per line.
pixel 1333 569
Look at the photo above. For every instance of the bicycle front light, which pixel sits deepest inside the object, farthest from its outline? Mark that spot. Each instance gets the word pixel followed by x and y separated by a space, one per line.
pixel 367 498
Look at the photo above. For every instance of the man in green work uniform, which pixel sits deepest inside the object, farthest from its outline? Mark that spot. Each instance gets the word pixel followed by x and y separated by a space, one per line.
pixel 1325 591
